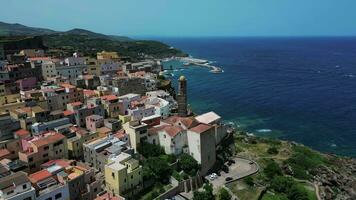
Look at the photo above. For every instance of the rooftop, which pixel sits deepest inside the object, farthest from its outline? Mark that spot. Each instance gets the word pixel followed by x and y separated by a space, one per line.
pixel 208 118
pixel 201 128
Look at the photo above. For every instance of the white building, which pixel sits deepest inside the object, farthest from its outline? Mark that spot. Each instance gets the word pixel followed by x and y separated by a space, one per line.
pixel 16 187
pixel 211 118
pixel 161 106
pixel 201 144
pixel 173 139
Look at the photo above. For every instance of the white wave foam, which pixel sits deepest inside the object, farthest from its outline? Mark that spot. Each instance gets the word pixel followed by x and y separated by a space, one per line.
pixel 264 130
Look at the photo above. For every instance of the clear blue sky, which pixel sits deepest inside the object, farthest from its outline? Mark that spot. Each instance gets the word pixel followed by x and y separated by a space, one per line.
pixel 188 17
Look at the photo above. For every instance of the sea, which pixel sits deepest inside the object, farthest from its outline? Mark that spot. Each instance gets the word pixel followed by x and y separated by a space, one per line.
pixel 301 89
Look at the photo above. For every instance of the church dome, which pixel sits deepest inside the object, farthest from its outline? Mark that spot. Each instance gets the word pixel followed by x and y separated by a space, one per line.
pixel 182 78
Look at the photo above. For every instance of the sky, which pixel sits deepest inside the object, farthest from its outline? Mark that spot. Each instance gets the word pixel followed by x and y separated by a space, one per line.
pixel 197 18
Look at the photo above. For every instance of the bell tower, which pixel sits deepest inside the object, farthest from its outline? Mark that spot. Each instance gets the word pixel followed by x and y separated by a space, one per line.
pixel 182 97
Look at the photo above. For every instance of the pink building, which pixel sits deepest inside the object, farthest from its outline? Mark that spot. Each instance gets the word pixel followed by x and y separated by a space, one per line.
pixel 27 83
pixel 94 121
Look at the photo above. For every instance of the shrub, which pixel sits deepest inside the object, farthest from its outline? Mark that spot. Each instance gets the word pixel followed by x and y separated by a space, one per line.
pixel 188 164
pixel 272 169
pixel 272 150
pixel 224 194
pixel 249 181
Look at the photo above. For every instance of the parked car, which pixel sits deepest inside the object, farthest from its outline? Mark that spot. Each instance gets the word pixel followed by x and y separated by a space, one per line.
pixel 228 179
pixel 214 175
pixel 229 163
pixel 251 163
pixel 232 161
pixel 211 177
pixel 225 169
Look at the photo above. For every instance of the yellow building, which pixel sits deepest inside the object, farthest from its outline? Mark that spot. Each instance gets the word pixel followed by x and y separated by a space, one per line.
pixel 75 144
pixel 123 175
pixel 93 67
pixel 107 55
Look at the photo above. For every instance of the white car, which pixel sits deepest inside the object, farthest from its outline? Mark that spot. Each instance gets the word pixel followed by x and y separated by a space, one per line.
pixel 211 177
pixel 214 175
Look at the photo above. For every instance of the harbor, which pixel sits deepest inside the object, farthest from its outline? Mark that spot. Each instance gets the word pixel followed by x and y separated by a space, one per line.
pixel 189 61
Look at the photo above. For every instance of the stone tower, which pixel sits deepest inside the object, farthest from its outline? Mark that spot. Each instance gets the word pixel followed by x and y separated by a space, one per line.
pixel 182 96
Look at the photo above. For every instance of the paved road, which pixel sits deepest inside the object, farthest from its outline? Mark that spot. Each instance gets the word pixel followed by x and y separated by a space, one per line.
pixel 241 169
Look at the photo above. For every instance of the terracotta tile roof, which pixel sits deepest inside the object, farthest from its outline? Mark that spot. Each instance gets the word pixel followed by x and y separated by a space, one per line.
pixel 4 153
pixel 201 128
pixel 109 97
pixel 103 130
pixel 66 85
pixel 154 130
pixel 39 58
pixel 39 176
pixel 120 134
pixel 67 112
pixel 77 103
pixel 173 130
pixel 186 121
pixel 60 162
pixel 48 139
pixel 22 132
pixel 89 93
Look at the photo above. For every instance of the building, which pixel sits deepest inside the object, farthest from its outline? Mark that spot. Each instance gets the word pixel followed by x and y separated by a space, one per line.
pixel 201 144
pixel 82 181
pixel 93 107
pixel 58 96
pixel 7 126
pixel 48 185
pixel 173 139
pixel 211 118
pixel 123 175
pixel 111 105
pixel 137 132
pixel 75 143
pixel 107 55
pixel 182 97
pixel 40 127
pixel 40 149
pixel 94 121
pixel 98 151
pixel 160 106
pixel 16 186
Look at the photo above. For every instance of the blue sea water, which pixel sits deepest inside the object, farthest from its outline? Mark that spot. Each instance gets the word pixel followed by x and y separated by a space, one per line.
pixel 300 89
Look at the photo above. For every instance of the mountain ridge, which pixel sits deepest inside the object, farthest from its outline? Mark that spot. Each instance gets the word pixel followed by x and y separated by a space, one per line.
pixel 16 29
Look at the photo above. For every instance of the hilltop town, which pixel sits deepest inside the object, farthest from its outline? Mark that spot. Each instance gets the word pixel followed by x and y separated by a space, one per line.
pixel 103 127
pixel 75 124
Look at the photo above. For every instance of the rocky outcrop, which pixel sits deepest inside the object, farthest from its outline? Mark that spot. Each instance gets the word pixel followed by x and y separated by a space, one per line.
pixel 337 182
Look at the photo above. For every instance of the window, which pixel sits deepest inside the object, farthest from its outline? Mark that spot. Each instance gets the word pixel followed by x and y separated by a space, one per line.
pixel 24 186
pixel 10 192
pixel 113 174
pixel 59 195
pixel 45 155
pixel 50 198
pixel 46 147
pixel 30 159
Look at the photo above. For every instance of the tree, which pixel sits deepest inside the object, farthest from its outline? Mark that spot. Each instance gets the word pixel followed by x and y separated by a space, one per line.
pixel 207 194
pixel 150 150
pixel 159 168
pixel 249 181
pixel 272 150
pixel 224 194
pixel 272 169
pixel 188 164
pixel 282 184
pixel 297 192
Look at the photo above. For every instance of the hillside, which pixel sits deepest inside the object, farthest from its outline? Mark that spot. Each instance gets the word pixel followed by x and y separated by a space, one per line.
pixel 7 29
pixel 89 42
